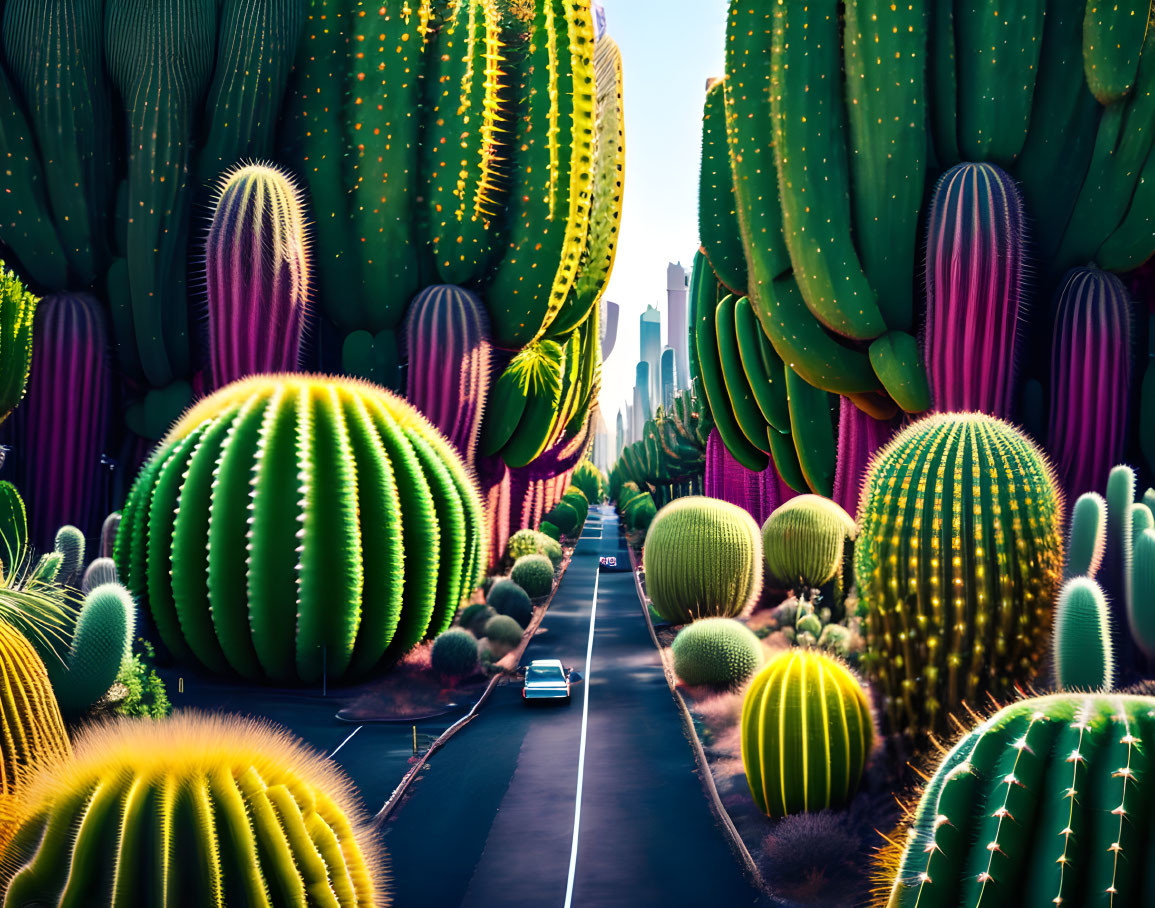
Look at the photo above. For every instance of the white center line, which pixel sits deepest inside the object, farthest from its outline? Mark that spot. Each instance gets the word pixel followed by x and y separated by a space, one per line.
pixel 346 741
pixel 577 810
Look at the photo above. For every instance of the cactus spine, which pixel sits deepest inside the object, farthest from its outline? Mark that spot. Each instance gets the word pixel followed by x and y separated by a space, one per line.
pixel 30 724
pixel 17 316
pixel 236 813
pixel 974 278
pixel 807 733
pixel 1090 378
pixel 257 273
pixel 950 503
pixel 287 582
pixel 1084 659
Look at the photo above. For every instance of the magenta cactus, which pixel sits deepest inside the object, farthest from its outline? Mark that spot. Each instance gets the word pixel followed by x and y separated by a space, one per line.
pixel 257 274
pixel 448 343
pixel 859 437
pixel 62 423
pixel 974 287
pixel 1090 379
pixel 759 493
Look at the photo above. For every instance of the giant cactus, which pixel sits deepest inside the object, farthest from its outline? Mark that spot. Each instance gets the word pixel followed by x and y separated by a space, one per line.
pixel 1090 378
pixel 257 274
pixel 17 317
pixel 207 810
pixel 807 733
pixel 703 558
pixel 1044 803
pixel 958 561
pixel 288 581
pixel 447 342
pixel 974 283
pixel 62 426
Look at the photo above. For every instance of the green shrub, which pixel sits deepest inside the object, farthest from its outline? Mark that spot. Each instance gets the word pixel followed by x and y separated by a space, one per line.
pixel 804 540
pixel 565 517
pixel 703 559
pixel 718 652
pixel 534 574
pixel 147 697
pixel 455 654
pixel 507 598
pixel 551 530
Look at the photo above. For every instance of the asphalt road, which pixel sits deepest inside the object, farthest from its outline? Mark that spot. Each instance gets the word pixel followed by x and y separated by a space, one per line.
pixel 491 822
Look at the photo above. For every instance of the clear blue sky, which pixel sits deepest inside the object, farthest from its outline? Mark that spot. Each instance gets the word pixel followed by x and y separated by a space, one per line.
pixel 668 51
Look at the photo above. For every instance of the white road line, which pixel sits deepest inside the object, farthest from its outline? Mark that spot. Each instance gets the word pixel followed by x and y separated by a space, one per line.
pixel 577 810
pixel 346 741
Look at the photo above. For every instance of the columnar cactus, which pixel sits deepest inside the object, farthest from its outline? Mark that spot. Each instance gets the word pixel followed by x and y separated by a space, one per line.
pixel 235 812
pixel 1090 378
pixel 1087 540
pixel 974 284
pixel 860 436
pixel 17 313
pixel 69 543
pixel 1044 803
pixel 1083 654
pixel 807 732
pixel 256 273
pixel 958 560
pixel 447 342
pixel 1141 606
pixel 101 640
pixel 803 541
pixel 290 581
pixel 31 730
pixel 703 558
pixel 62 426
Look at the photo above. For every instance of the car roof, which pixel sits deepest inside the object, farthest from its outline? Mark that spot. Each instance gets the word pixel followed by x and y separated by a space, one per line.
pixel 546 663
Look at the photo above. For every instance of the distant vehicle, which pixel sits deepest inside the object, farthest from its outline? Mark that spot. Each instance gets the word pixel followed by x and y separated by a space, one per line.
pixel 613 564
pixel 546 679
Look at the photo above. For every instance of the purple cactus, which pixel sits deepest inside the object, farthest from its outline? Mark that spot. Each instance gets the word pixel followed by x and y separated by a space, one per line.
pixel 448 344
pixel 1090 379
pixel 974 278
pixel 257 274
pixel 756 492
pixel 859 436
pixel 62 424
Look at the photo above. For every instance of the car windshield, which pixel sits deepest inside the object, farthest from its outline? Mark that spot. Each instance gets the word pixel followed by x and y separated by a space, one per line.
pixel 543 674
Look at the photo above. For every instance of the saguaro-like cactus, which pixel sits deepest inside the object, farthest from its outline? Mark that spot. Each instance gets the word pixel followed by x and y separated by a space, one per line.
pixel 958 560
pixel 1045 803
pixel 974 284
pixel 62 426
pixel 30 723
pixel 232 811
pixel 1090 378
pixel 447 341
pixel 289 580
pixel 17 316
pixel 257 274
pixel 101 640
pixel 807 732
pixel 1084 659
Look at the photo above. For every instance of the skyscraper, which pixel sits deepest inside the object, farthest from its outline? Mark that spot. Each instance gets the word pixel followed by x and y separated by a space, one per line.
pixel 677 327
pixel 650 331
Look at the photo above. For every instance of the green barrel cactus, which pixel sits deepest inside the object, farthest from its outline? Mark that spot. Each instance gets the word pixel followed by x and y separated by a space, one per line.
pixel 703 559
pixel 523 542
pixel 290 528
pixel 807 733
pixel 192 810
pixel 507 597
pixel 1045 803
pixel 503 633
pixel 716 652
pixel 534 574
pixel 1083 657
pixel 958 560
pixel 804 540
pixel 1087 539
pixel 17 310
pixel 474 617
pixel 454 654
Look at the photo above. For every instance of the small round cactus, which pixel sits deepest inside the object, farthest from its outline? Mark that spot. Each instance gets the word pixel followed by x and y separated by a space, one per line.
pixel 508 598
pixel 205 810
pixel 455 654
pixel 551 548
pixel 703 558
pixel 503 634
pixel 807 732
pixel 1083 656
pixel 716 652
pixel 534 574
pixel 523 542
pixel 474 617
pixel 804 540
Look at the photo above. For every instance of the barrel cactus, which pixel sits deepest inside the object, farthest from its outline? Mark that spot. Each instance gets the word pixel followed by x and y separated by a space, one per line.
pixel 1090 378
pixel 804 541
pixel 1044 803
pixel 17 311
pixel 291 581
pixel 703 558
pixel 256 274
pixel 234 811
pixel 454 654
pixel 974 283
pixel 958 561
pixel 523 542
pixel 807 733
pixel 1083 655
pixel 716 652
pixel 534 574
pixel 447 342
pixel 503 633
pixel 508 598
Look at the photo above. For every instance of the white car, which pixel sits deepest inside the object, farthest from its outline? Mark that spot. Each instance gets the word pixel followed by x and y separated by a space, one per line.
pixel 546 679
